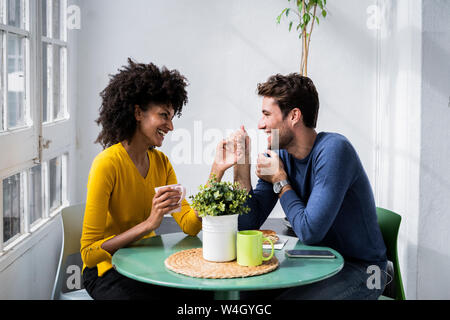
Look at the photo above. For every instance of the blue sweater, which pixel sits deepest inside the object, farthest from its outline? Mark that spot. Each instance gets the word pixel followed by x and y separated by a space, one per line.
pixel 331 203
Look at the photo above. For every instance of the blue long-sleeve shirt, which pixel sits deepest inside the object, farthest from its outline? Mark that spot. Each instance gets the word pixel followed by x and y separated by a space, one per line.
pixel 331 204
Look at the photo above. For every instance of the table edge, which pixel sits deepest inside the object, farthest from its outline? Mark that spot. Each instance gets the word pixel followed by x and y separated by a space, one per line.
pixel 195 287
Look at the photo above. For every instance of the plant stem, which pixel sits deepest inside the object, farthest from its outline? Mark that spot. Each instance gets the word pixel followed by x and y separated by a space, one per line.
pixel 301 62
pixel 304 53
pixel 309 38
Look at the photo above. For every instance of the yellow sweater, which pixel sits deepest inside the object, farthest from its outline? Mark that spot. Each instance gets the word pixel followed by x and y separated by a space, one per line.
pixel 118 198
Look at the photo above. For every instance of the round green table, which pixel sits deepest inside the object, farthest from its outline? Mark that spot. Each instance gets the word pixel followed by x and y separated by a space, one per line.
pixel 144 261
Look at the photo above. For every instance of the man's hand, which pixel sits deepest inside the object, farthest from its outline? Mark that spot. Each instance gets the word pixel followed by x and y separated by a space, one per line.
pixel 270 169
pixel 242 167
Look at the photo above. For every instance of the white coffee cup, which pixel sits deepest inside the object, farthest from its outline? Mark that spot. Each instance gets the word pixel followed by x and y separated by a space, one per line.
pixel 176 187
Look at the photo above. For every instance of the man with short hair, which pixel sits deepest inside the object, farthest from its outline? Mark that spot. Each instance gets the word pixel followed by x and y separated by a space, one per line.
pixel 321 185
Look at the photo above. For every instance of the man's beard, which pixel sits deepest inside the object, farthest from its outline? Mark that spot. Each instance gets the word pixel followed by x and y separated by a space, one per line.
pixel 285 138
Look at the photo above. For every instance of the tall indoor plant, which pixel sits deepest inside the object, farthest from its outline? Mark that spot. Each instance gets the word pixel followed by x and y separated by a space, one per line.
pixel 307 12
pixel 219 204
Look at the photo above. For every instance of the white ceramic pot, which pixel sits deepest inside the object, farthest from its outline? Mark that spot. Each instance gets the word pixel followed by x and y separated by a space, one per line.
pixel 219 237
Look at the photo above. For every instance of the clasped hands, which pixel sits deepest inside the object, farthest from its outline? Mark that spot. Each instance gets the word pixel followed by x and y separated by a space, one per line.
pixel 235 151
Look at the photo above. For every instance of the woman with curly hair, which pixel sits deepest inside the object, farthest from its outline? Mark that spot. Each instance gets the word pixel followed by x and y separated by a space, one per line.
pixel 137 109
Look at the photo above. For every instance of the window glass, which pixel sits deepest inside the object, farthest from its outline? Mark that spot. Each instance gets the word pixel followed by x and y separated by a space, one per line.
pixel 16 81
pixel 56 14
pixel 35 194
pixel 44 18
pixel 54 61
pixel 53 79
pixel 2 13
pixel 46 81
pixel 2 87
pixel 55 182
pixel 56 83
pixel 62 112
pixel 12 207
pixel 15 13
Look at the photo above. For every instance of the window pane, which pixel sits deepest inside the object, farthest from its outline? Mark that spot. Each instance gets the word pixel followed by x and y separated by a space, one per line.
pixel 56 66
pixel 15 9
pixel 2 87
pixel 63 17
pixel 63 83
pixel 16 81
pixel 2 13
pixel 35 193
pixel 46 81
pixel 44 18
pixel 56 14
pixel 12 207
pixel 55 176
pixel 53 77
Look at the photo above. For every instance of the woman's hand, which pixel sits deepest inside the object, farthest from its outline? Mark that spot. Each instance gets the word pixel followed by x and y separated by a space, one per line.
pixel 226 155
pixel 233 150
pixel 165 200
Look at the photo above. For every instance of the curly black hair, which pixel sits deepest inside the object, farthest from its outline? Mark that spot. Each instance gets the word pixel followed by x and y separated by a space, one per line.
pixel 137 84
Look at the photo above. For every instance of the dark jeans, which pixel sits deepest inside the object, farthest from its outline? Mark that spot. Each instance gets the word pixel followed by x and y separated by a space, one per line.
pixel 114 286
pixel 356 281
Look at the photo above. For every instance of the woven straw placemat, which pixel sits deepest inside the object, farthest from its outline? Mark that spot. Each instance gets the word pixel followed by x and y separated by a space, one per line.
pixel 191 263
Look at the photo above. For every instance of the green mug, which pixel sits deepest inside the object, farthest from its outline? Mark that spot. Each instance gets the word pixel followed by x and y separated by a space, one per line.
pixel 249 247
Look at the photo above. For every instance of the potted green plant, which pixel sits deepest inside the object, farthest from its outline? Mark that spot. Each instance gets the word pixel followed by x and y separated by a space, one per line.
pixel 307 12
pixel 219 204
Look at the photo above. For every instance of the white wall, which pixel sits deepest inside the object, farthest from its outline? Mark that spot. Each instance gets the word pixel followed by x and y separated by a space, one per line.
pixel 32 273
pixel 374 84
pixel 413 176
pixel 433 251
pixel 225 49
pixel 398 125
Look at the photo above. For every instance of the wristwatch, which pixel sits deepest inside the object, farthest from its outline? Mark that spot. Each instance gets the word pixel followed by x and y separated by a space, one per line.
pixel 278 186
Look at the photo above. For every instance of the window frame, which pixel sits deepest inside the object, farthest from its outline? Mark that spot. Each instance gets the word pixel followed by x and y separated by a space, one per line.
pixel 26 228
pixel 38 152
pixel 22 201
pixel 25 33
pixel 32 225
pixel 26 135
pixel 60 43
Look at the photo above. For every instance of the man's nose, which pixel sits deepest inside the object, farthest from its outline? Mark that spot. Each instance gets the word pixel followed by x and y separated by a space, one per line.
pixel 261 124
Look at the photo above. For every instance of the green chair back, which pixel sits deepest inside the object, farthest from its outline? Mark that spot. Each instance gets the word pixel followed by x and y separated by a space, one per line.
pixel 389 223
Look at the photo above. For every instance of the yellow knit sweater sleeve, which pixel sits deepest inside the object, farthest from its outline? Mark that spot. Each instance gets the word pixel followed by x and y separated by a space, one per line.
pixel 101 182
pixel 118 198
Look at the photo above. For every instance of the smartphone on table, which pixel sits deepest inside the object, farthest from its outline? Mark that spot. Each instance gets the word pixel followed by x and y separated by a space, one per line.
pixel 325 254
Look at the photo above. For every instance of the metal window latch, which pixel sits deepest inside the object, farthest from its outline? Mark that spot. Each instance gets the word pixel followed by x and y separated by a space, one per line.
pixel 44 143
